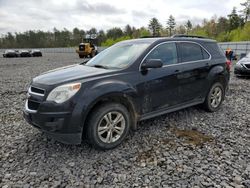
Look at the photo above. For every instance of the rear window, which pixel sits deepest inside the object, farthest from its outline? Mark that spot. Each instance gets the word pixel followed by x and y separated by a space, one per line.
pixel 191 52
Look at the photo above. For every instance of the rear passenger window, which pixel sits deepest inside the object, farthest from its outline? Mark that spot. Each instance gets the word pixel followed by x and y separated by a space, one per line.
pixel 205 54
pixel 191 52
pixel 166 52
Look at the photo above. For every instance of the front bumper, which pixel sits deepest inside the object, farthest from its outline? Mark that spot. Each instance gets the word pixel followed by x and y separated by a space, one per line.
pixel 63 126
pixel 241 71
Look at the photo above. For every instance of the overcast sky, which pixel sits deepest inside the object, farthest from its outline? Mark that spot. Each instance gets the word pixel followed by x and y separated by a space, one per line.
pixel 18 16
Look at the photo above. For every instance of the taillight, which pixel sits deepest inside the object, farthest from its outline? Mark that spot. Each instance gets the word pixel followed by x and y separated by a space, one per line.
pixel 228 65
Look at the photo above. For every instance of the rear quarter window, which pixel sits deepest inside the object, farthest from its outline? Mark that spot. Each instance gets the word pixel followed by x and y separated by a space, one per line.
pixel 214 49
pixel 191 52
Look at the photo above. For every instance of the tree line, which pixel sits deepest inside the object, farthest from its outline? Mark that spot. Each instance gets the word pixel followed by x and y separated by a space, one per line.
pixel 234 27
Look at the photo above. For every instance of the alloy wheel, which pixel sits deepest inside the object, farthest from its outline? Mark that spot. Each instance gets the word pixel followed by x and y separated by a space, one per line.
pixel 111 127
pixel 216 97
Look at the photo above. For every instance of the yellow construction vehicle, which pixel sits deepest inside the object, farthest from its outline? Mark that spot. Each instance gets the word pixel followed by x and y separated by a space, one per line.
pixel 87 48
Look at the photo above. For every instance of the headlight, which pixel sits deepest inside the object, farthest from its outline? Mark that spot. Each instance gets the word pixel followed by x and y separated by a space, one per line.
pixel 62 93
pixel 239 63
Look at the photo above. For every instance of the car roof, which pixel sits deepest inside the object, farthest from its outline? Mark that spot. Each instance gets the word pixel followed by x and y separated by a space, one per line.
pixel 165 39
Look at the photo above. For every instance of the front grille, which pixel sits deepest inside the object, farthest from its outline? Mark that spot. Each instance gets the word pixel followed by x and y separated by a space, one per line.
pixel 37 91
pixel 32 105
pixel 247 66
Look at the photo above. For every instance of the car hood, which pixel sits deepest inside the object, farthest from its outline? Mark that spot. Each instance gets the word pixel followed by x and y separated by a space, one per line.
pixel 69 73
pixel 245 60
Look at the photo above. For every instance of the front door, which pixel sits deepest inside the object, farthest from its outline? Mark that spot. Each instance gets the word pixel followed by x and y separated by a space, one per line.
pixel 159 86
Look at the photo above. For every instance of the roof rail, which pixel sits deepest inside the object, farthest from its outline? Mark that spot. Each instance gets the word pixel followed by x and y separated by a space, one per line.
pixel 188 36
pixel 150 36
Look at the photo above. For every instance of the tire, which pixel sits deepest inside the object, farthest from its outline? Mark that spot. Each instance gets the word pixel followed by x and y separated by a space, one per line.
pixel 214 97
pixel 92 54
pixel 110 134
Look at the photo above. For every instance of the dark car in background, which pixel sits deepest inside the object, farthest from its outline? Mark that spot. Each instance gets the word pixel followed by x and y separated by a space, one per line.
pixel 11 53
pixel 242 67
pixel 36 53
pixel 24 53
pixel 131 81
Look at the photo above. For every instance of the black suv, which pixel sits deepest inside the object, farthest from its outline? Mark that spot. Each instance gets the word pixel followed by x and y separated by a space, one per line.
pixel 131 81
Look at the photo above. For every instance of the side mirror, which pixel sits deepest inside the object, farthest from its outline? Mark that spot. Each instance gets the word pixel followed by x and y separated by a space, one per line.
pixel 151 63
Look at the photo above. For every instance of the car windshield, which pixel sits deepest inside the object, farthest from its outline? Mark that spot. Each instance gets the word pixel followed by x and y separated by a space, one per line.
pixel 118 56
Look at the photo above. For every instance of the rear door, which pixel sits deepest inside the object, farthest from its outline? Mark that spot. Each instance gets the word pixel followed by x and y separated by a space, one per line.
pixel 193 68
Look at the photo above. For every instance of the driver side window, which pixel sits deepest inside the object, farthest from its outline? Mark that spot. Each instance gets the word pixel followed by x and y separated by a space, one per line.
pixel 166 52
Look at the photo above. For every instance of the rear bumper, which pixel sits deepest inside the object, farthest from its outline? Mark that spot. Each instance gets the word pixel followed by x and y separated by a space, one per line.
pixel 37 54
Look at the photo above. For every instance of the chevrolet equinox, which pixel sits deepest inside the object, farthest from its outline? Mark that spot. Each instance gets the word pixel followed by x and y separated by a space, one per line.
pixel 133 80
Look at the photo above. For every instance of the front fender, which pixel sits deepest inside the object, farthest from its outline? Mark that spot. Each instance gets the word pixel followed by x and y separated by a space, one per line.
pixel 109 86
pixel 92 94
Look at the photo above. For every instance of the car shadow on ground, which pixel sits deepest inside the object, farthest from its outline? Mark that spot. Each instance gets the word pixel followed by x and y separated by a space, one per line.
pixel 185 116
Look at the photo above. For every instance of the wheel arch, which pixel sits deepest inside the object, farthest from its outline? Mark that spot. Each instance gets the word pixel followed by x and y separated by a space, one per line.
pixel 113 97
pixel 218 74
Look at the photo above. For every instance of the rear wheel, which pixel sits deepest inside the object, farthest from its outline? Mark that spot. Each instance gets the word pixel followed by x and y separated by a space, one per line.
pixel 108 126
pixel 214 97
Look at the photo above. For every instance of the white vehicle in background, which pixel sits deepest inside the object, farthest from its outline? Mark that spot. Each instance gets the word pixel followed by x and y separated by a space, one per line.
pixel 242 67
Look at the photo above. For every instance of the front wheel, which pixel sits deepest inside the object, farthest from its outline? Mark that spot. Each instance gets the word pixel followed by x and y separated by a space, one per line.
pixel 214 97
pixel 108 126
pixel 92 54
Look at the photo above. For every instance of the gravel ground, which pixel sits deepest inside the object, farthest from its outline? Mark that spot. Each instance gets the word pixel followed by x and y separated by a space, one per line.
pixel 188 148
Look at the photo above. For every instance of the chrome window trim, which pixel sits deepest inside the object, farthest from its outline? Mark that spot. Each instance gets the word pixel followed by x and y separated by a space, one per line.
pixel 178 63
pixel 33 93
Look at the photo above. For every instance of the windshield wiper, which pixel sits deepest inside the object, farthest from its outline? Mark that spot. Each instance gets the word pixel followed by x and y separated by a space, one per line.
pixel 101 66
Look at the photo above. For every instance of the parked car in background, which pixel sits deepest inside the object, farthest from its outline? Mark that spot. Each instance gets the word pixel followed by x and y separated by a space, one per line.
pixel 36 53
pixel 131 81
pixel 242 67
pixel 11 53
pixel 25 53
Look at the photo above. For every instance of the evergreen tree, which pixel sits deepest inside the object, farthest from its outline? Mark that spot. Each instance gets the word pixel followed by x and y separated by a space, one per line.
pixel 128 30
pixel 246 10
pixel 171 24
pixel 222 25
pixel 234 20
pixel 154 26
pixel 114 33
pixel 189 26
